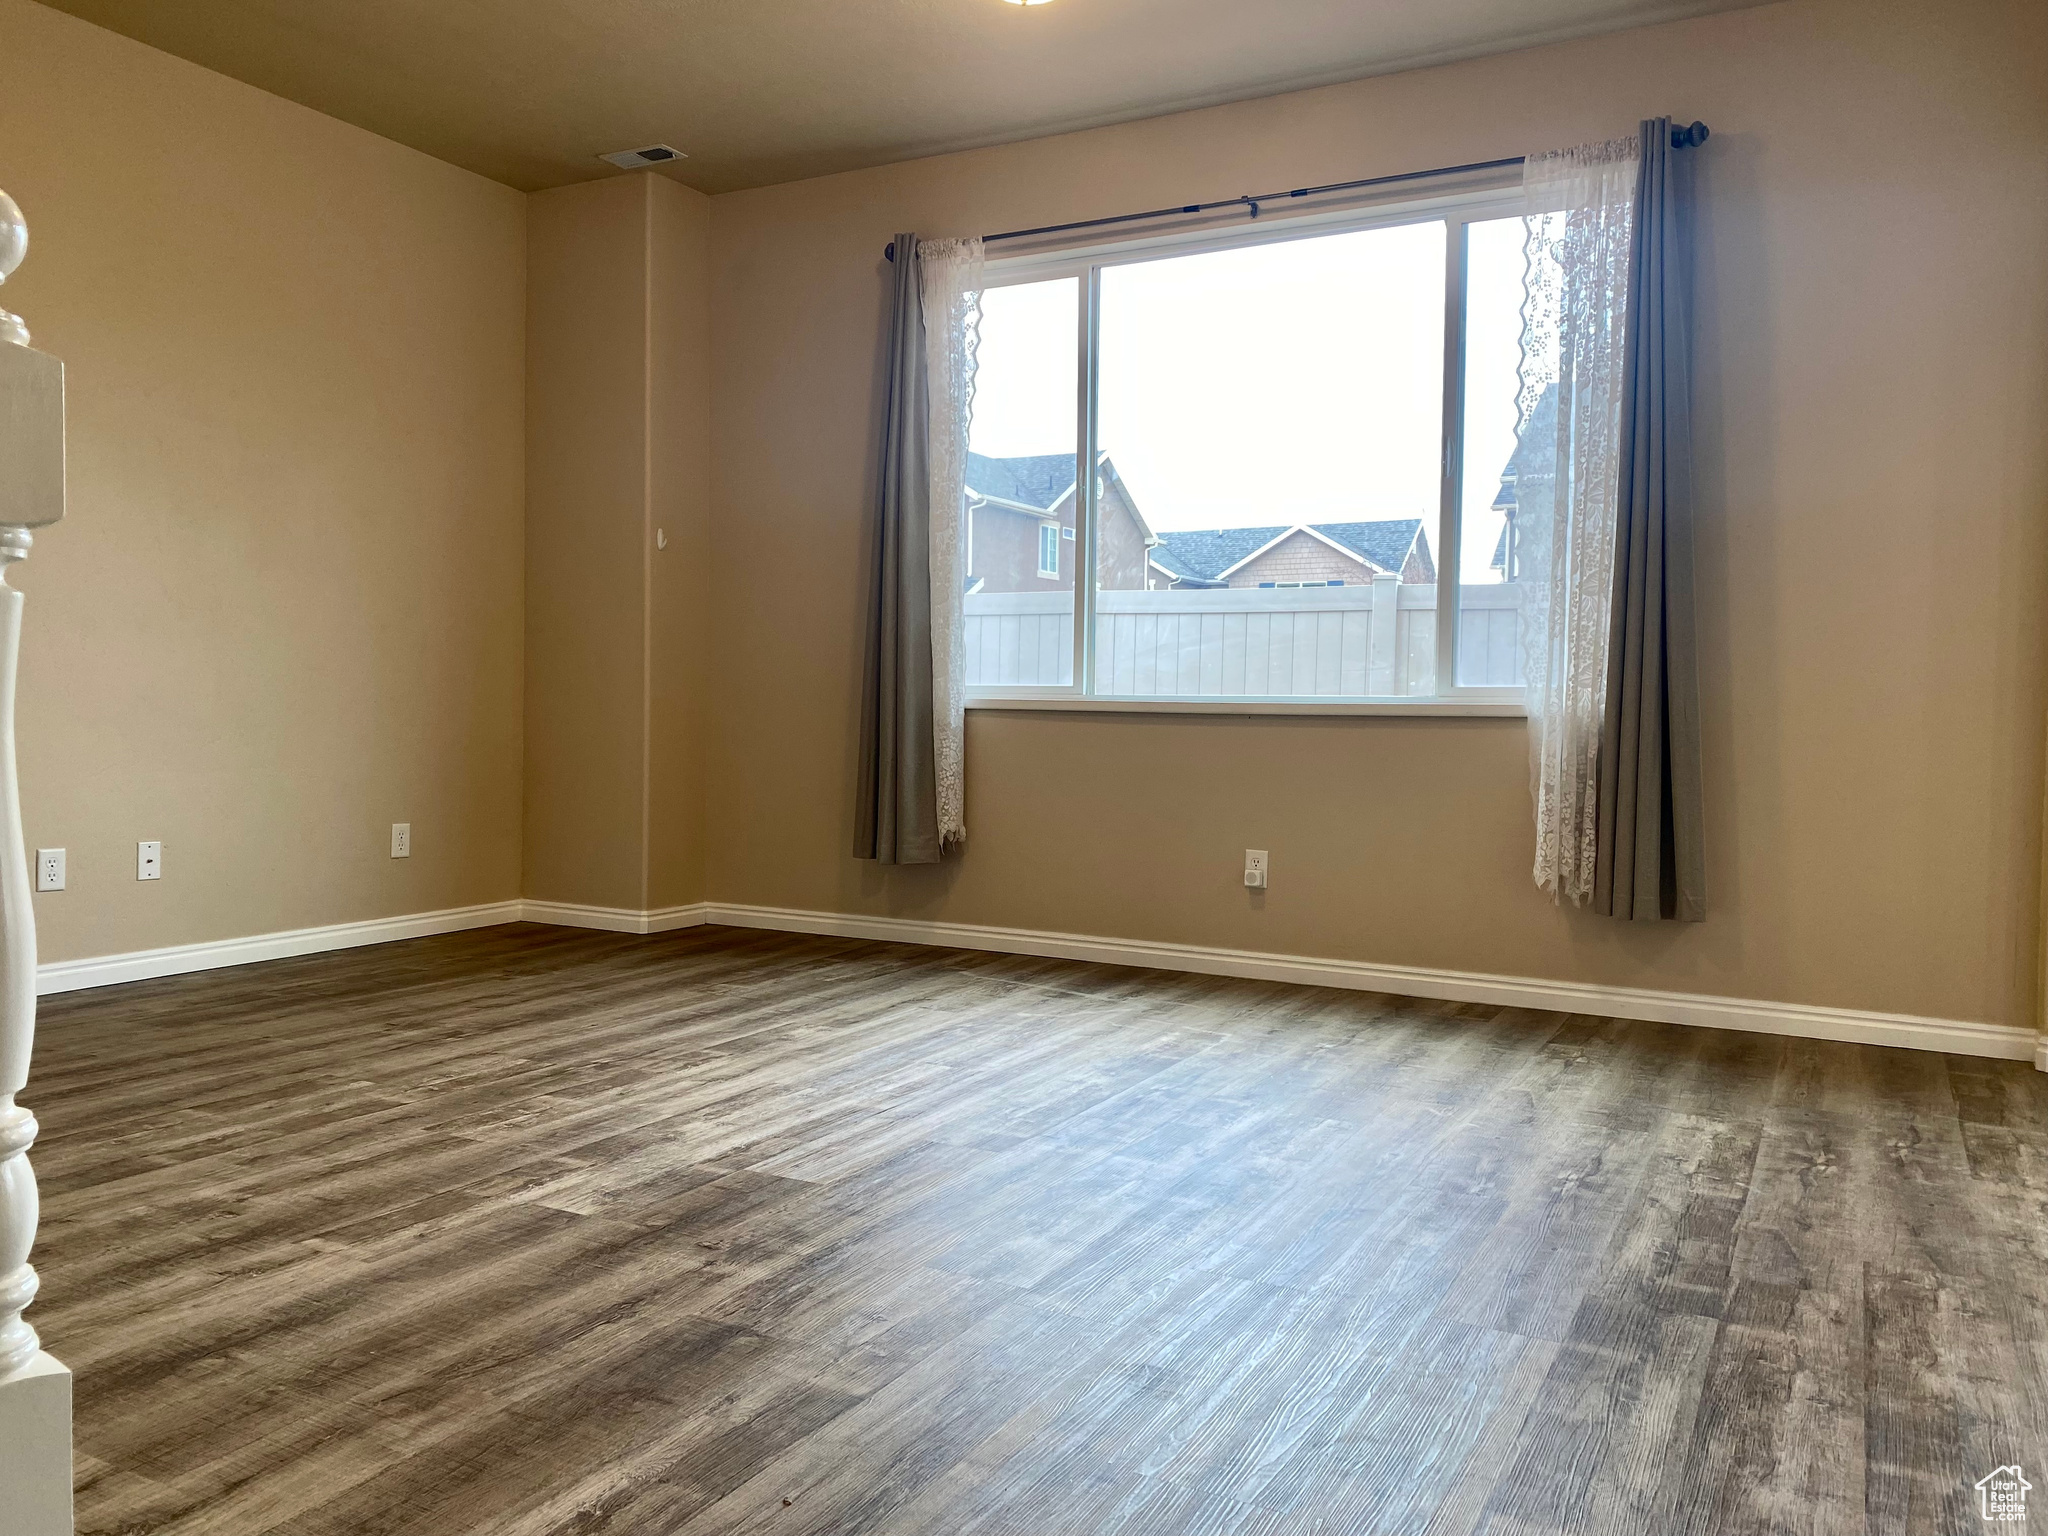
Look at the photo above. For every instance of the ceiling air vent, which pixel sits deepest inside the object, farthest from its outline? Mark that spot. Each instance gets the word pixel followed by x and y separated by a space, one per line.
pixel 633 159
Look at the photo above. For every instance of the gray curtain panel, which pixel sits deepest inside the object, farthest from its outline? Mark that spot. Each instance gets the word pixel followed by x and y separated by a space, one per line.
pixel 897 818
pixel 1649 863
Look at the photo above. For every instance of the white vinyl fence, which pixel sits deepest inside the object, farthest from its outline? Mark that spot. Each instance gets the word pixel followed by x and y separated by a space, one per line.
pixel 1362 641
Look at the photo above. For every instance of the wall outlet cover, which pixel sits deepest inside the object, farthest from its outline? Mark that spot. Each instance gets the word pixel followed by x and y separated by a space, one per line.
pixel 401 839
pixel 49 869
pixel 149 861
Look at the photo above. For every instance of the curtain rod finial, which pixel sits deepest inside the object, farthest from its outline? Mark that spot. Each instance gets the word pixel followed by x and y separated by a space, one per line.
pixel 889 251
pixel 1691 136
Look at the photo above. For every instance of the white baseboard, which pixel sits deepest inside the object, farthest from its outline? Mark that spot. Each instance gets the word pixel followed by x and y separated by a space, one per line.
pixel 176 960
pixel 1962 1037
pixel 1801 1019
pixel 568 914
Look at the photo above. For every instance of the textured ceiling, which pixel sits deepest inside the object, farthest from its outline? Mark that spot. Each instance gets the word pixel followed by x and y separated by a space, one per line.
pixel 757 91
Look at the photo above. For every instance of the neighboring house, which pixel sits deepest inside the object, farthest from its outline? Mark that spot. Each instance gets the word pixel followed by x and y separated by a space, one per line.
pixel 1020 525
pixel 1529 470
pixel 1293 555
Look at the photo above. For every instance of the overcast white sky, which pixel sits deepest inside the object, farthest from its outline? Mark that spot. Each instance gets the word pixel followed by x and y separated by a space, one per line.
pixel 1300 381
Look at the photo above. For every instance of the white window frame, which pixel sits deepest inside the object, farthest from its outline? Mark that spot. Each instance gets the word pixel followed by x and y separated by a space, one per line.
pixel 1456 210
pixel 1054 544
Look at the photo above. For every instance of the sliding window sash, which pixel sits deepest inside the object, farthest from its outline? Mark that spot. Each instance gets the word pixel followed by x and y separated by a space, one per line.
pixel 1456 211
pixel 1450 532
pixel 1089 390
pixel 1450 593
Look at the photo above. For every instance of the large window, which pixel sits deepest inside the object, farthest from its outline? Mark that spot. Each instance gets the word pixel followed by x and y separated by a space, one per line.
pixel 1263 455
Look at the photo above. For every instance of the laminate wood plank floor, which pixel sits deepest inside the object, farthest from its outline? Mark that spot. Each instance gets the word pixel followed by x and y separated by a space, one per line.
pixel 530 1231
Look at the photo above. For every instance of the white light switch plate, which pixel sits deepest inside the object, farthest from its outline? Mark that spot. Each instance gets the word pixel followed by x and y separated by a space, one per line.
pixel 401 839
pixel 149 861
pixel 49 869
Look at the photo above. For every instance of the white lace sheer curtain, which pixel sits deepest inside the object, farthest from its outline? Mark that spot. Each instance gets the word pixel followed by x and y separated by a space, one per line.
pixel 950 295
pixel 1579 205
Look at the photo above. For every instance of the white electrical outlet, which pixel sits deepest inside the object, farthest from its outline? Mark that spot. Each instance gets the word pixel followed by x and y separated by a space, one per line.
pixel 149 861
pixel 401 839
pixel 49 869
pixel 1255 868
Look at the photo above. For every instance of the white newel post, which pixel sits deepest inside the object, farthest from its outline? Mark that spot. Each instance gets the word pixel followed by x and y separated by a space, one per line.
pixel 35 1390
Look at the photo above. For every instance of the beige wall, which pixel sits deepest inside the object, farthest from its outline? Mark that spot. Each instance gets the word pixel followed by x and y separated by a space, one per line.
pixel 616 449
pixel 284 609
pixel 586 419
pixel 296 598
pixel 679 582
pixel 1872 379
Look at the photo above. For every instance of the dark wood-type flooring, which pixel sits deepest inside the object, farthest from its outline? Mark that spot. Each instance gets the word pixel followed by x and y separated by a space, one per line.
pixel 534 1231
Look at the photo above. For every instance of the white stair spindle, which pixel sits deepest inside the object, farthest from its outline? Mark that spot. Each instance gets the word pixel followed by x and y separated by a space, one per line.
pixel 35 1390
pixel 18 1204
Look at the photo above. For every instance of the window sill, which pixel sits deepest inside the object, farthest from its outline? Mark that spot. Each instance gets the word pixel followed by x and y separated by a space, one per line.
pixel 1070 703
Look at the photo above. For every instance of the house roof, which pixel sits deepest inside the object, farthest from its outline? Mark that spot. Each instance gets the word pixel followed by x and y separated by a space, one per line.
pixel 1040 482
pixel 1034 480
pixel 1204 554
pixel 1385 544
pixel 1535 450
pixel 1535 455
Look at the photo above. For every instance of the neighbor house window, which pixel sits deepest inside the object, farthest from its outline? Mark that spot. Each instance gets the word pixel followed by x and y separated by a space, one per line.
pixel 1288 456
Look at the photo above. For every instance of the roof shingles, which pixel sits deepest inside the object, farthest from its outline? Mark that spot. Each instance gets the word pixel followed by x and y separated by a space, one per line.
pixel 1204 554
pixel 1033 480
pixel 1194 554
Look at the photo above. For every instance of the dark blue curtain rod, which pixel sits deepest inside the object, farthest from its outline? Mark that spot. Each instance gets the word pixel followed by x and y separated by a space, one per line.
pixel 1681 138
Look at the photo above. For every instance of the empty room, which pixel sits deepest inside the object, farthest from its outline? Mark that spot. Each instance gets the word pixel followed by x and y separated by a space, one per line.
pixel 1023 767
